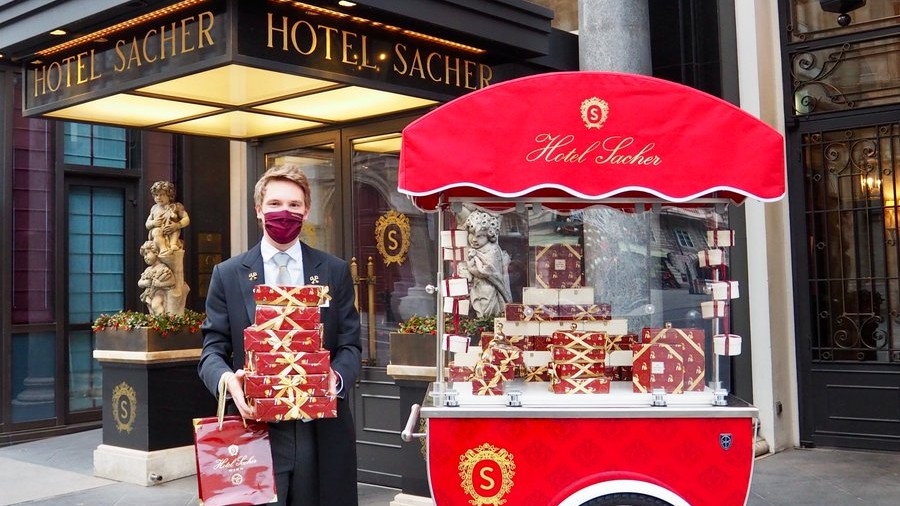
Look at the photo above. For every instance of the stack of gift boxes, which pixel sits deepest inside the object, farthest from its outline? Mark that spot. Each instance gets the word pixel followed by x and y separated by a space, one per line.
pixel 558 334
pixel 287 368
pixel 535 341
pixel 578 348
pixel 579 362
pixel 721 290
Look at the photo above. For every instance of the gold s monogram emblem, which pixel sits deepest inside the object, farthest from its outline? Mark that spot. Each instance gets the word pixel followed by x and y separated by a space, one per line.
pixel 487 474
pixel 594 112
pixel 392 231
pixel 124 407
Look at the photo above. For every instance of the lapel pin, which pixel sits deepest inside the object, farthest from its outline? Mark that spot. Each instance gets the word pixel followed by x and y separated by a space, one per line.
pixel 314 280
pixel 252 276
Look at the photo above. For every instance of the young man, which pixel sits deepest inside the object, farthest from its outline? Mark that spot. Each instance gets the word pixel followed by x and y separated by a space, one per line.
pixel 315 462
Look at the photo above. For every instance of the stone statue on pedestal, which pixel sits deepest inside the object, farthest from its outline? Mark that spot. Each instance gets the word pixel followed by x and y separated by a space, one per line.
pixel 163 280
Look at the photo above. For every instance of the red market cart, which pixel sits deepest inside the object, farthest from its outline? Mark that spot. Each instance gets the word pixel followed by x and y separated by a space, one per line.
pixel 567 142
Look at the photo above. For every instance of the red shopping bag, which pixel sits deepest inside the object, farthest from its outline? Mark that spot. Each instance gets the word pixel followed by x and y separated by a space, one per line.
pixel 234 460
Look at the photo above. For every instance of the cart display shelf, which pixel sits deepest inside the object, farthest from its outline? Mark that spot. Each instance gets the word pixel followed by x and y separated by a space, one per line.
pixel 537 401
pixel 566 142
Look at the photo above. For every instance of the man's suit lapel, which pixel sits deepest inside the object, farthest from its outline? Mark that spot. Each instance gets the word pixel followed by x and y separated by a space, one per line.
pixel 313 271
pixel 251 274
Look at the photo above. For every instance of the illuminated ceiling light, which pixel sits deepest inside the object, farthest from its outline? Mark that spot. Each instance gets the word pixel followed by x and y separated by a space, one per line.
pixel 58 32
pixel 131 110
pixel 235 85
pixel 346 3
pixel 345 104
pixel 240 125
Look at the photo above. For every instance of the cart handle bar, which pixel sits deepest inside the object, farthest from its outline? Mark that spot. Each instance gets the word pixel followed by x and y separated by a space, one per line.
pixel 408 434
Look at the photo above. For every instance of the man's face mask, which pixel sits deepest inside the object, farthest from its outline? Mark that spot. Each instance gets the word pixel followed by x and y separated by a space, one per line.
pixel 283 226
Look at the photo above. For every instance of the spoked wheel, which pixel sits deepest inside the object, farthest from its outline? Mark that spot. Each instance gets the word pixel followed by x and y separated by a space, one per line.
pixel 626 500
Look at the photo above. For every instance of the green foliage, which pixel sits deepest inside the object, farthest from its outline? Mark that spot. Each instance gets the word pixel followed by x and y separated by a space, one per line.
pixel 469 325
pixel 165 324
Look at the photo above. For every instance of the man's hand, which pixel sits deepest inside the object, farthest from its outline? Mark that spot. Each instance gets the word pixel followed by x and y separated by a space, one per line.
pixel 235 386
pixel 332 383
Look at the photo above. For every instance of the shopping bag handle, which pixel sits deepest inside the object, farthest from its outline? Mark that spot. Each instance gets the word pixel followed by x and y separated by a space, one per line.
pixel 220 409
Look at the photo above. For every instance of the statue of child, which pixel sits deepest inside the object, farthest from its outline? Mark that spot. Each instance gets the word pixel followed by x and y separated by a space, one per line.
pixel 167 218
pixel 156 280
pixel 487 265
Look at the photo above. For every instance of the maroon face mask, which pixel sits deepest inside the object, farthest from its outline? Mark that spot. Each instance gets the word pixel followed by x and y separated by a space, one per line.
pixel 283 226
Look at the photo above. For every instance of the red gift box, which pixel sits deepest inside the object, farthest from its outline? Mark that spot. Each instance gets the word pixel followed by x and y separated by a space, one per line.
pixel 285 363
pixel 658 365
pixel 505 357
pixel 286 317
pixel 620 342
pixel 305 295
pixel 576 338
pixel 485 339
pixel 300 408
pixel 291 386
pixel 540 373
pixel 461 372
pixel 601 311
pixel 558 266
pixel 578 370
pixel 487 369
pixel 530 312
pixel 283 340
pixel 563 355
pixel 488 380
pixel 619 373
pixel 598 385
pixel 694 345
pixel 531 343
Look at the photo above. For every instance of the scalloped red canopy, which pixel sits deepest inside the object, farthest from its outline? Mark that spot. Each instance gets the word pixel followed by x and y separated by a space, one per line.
pixel 591 136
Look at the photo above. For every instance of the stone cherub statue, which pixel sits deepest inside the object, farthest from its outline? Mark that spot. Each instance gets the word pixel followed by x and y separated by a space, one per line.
pixel 486 265
pixel 163 280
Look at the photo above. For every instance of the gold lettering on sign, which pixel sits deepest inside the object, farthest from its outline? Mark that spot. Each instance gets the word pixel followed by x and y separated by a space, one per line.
pixel 613 150
pixel 354 49
pixel 182 39
pixel 441 68
pixel 188 34
pixel 50 78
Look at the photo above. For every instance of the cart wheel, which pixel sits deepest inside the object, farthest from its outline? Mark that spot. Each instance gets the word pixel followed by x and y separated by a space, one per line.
pixel 626 500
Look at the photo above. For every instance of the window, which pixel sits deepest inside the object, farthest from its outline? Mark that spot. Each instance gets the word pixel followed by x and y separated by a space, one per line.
pixel 851 209
pixel 683 238
pixel 95 145
pixel 96 252
pixel 32 220
pixel 96 262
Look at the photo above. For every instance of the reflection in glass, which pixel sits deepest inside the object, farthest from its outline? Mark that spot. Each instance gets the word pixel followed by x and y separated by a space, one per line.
pixel 85 378
pixel 808 21
pixel 849 76
pixel 400 279
pixel 33 376
pixel 320 229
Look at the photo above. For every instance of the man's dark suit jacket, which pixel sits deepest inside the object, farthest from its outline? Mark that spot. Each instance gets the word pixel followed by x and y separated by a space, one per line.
pixel 230 309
